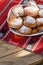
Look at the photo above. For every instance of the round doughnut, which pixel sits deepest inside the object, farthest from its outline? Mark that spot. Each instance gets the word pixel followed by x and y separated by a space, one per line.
pixel 15 22
pixel 18 10
pixel 30 22
pixel 31 11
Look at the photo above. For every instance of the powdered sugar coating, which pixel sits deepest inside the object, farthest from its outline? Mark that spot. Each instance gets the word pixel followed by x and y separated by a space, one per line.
pixel 24 28
pixel 32 3
pixel 41 13
pixel 30 20
pixel 40 6
pixel 39 20
pixel 18 11
pixel 31 8
pixel 32 11
pixel 17 22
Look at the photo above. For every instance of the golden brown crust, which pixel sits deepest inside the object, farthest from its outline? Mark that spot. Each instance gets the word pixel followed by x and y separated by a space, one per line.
pixel 34 31
pixel 30 22
pixel 31 11
pixel 18 10
pixel 40 28
pixel 25 30
pixel 39 21
pixel 15 22
pixel 30 25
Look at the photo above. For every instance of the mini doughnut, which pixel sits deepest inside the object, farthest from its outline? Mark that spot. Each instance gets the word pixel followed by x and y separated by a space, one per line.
pixel 25 30
pixel 18 10
pixel 39 21
pixel 31 11
pixel 15 22
pixel 30 22
pixel 41 13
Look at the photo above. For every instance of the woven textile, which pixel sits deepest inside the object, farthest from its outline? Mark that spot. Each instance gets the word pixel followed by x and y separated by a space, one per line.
pixel 34 44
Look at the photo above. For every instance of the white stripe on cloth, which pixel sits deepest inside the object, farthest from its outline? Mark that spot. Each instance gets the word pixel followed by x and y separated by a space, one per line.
pixel 20 2
pixel 36 44
pixel 28 40
pixel 6 34
pixel 3 24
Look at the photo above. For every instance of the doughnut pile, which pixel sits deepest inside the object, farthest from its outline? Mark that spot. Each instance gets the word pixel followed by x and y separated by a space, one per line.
pixel 26 19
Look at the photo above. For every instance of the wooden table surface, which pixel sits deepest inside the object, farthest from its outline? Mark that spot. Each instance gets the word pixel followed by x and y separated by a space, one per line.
pixel 12 55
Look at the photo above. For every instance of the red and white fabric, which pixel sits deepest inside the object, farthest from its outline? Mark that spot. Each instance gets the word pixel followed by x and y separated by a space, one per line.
pixel 34 44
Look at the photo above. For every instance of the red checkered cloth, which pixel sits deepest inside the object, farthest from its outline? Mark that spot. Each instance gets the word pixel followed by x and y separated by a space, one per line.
pixel 34 44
